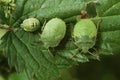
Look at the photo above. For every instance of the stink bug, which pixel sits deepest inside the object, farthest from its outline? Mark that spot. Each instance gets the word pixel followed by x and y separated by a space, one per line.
pixel 53 32
pixel 30 24
pixel 84 35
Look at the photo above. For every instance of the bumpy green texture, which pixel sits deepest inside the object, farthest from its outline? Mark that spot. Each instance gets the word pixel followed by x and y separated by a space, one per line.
pixel 31 24
pixel 54 31
pixel 84 34
pixel 9 7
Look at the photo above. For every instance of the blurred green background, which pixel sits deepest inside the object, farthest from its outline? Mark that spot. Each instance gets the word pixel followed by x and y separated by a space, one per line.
pixel 106 69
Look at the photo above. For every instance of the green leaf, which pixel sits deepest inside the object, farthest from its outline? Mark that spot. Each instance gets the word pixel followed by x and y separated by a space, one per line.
pixel 2 16
pixel 70 53
pixel 22 51
pixel 46 9
pixel 2 33
pixel 108 35
pixel 1 77
pixel 18 76
pixel 108 7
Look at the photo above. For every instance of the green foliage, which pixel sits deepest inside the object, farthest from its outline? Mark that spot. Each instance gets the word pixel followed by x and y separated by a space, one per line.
pixel 2 33
pixel 26 53
pixel 8 6
pixel 18 76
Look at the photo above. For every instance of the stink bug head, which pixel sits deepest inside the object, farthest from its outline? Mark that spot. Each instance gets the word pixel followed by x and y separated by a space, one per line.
pixel 85 43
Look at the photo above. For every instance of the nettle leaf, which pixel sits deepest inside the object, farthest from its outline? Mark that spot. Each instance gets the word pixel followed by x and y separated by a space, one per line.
pixel 22 51
pixel 2 16
pixel 108 7
pixel 46 9
pixel 26 53
pixel 18 76
pixel 109 28
pixel 17 45
pixel 2 33
pixel 108 35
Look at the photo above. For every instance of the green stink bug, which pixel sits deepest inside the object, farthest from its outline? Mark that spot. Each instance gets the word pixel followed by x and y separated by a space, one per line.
pixel 84 34
pixel 30 24
pixel 53 32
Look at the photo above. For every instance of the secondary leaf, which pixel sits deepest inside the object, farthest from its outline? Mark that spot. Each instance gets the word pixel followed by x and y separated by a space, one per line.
pixel 2 33
pixel 108 35
pixel 108 7
pixel 46 9
pixel 24 54
pixel 18 76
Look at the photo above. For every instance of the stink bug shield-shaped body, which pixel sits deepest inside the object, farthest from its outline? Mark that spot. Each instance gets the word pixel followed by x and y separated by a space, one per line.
pixel 53 32
pixel 84 34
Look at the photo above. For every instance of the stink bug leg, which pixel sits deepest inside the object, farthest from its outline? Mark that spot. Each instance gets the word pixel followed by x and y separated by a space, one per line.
pixel 95 55
pixel 43 25
pixel 98 23
pixel 50 52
